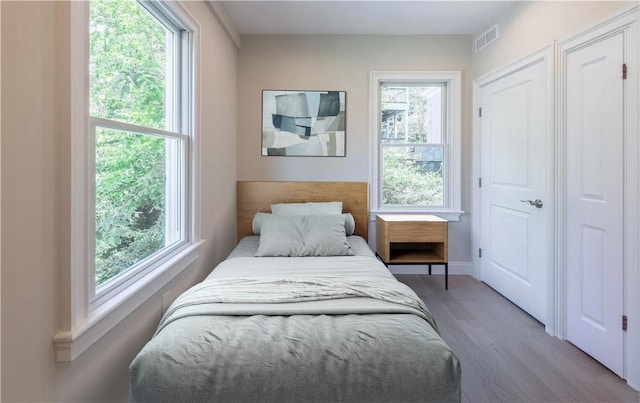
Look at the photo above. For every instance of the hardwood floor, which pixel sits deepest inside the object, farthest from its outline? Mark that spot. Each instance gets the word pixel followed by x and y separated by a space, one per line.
pixel 505 354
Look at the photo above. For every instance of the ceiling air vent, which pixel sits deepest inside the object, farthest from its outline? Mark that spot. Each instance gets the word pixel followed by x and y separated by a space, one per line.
pixel 487 37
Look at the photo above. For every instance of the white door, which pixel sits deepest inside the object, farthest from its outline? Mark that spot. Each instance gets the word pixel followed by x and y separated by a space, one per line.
pixel 595 158
pixel 514 139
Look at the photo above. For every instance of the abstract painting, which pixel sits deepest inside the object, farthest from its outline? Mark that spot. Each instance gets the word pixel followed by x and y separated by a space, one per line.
pixel 303 123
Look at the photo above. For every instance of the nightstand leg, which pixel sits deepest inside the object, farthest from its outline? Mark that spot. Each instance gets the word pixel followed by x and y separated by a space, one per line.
pixel 446 276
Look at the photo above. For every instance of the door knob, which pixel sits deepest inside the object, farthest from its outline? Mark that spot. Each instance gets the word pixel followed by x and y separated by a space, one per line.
pixel 536 202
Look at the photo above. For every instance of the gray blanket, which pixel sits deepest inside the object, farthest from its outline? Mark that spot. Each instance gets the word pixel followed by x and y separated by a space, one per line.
pixel 260 296
pixel 275 330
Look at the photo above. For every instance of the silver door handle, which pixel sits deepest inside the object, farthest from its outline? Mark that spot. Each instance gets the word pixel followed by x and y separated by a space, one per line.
pixel 536 202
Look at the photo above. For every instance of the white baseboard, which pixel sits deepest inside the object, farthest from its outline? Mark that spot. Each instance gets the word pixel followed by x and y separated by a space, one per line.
pixel 455 268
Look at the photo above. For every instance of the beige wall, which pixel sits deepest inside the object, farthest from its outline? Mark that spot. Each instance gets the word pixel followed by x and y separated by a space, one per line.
pixel 35 200
pixel 35 160
pixel 529 26
pixel 310 62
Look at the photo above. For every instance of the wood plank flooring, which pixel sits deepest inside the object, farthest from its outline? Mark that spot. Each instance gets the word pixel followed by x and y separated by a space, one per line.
pixel 505 354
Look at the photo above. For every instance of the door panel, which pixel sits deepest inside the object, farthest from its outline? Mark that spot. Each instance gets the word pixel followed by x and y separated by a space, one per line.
pixel 509 242
pixel 595 136
pixel 509 133
pixel 593 266
pixel 514 140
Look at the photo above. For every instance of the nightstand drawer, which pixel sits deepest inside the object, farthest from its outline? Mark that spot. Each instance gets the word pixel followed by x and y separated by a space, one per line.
pixel 416 232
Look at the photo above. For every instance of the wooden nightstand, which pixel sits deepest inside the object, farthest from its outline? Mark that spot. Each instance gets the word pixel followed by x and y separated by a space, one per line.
pixel 413 239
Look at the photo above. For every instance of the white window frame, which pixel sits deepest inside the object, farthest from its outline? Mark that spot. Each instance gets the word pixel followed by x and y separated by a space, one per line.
pixel 174 183
pixel 451 140
pixel 83 322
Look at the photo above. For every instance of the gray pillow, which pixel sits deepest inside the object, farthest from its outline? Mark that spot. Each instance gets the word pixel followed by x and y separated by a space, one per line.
pixel 303 236
pixel 259 217
pixel 310 208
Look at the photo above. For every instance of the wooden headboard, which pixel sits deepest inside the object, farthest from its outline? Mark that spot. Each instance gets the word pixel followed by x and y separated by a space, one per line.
pixel 259 196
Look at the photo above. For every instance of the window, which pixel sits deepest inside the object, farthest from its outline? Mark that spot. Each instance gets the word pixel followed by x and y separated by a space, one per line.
pixel 416 129
pixel 140 140
pixel 134 172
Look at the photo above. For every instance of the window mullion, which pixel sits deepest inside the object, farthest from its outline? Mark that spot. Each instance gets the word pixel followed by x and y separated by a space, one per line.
pixel 412 145
pixel 133 128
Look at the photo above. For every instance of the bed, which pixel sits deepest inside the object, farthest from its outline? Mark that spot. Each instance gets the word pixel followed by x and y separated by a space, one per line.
pixel 336 328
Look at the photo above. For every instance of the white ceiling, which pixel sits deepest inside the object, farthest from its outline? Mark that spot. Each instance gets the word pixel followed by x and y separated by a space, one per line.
pixel 363 17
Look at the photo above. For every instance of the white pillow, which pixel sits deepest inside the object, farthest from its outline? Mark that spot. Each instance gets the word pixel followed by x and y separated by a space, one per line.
pixel 310 208
pixel 259 217
pixel 303 236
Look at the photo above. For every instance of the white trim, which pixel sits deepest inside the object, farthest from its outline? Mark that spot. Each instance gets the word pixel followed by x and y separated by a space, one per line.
pixel 544 55
pixel 633 280
pixel 455 269
pixel 69 344
pixel 559 307
pixel 78 285
pixel 453 141
pixel 191 73
pixel 193 150
pixel 632 194
pixel 81 327
pixel 626 22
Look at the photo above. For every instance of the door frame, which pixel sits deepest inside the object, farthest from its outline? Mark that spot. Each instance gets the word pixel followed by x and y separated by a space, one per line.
pixel 546 56
pixel 626 22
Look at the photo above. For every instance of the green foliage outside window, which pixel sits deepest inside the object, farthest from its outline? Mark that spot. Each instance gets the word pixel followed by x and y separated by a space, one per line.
pixel 405 182
pixel 411 175
pixel 127 83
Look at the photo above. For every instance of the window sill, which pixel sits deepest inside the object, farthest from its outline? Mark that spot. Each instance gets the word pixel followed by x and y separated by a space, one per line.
pixel 449 215
pixel 69 344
